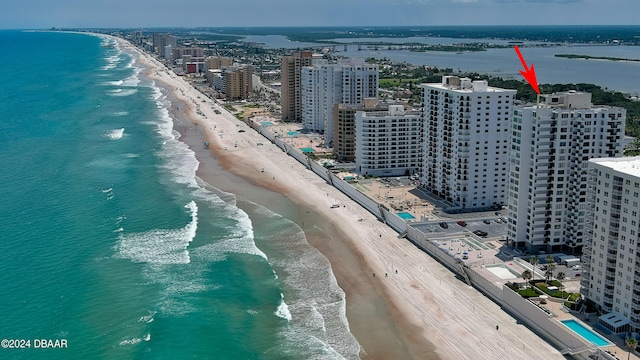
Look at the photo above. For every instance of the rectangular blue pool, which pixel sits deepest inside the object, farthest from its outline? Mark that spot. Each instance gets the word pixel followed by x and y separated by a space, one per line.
pixel 266 123
pixel 293 133
pixel 406 216
pixel 586 334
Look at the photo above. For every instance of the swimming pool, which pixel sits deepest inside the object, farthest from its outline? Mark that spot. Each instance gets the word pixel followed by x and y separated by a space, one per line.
pixel 293 133
pixel 266 123
pixel 406 216
pixel 586 334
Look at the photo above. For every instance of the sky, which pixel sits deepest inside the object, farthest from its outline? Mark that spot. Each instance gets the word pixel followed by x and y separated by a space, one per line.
pixel 42 14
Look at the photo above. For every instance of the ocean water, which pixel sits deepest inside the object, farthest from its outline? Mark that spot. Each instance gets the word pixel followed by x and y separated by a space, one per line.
pixel 109 241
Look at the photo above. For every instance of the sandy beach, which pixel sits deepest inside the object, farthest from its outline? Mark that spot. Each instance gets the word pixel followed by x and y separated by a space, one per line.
pixel 413 307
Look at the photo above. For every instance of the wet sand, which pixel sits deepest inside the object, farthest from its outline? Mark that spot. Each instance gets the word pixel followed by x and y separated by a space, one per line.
pixel 371 318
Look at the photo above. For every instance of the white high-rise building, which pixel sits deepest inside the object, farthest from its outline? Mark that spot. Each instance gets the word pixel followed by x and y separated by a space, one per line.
pixel 312 97
pixel 550 146
pixel 611 256
pixel 325 85
pixel 388 143
pixel 466 142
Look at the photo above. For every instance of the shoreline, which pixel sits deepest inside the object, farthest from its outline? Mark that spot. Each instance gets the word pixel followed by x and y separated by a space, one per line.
pixel 366 305
pixel 435 314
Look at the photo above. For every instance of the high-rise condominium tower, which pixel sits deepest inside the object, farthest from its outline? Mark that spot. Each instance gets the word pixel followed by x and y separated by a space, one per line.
pixel 551 144
pixel 290 68
pixel 466 142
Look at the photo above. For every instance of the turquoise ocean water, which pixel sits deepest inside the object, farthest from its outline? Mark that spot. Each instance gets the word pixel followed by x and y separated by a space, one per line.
pixel 109 241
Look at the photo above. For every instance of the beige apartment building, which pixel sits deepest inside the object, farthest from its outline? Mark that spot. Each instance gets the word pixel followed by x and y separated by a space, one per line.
pixel 237 82
pixel 344 127
pixel 291 67
pixel 217 62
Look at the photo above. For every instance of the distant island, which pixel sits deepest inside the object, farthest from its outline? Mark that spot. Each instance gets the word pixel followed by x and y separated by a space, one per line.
pixel 589 57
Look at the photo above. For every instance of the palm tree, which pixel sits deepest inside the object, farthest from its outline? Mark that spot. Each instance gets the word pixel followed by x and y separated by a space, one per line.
pixel 534 260
pixel 631 345
pixel 550 259
pixel 561 276
pixel 526 276
pixel 551 268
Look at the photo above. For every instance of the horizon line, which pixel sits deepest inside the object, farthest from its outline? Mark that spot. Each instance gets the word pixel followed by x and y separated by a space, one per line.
pixel 319 26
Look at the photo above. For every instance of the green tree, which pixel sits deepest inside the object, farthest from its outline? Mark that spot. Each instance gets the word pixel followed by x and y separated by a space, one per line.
pixel 526 276
pixel 551 268
pixel 549 259
pixel 534 260
pixel 561 276
pixel 631 345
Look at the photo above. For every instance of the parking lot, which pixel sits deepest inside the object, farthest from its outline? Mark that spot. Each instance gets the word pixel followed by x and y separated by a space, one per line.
pixel 496 227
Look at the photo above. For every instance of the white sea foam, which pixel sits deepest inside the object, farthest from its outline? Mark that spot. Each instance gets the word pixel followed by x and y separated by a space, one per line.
pixel 112 61
pixel 120 219
pixel 115 134
pixel 160 246
pixel 132 341
pixel 316 305
pixel 240 238
pixel 122 92
pixel 283 309
pixel 121 113
pixel 148 318
pixel 113 83
pixel 147 337
pixel 118 230
pixel 107 190
pixel 131 155
pixel 176 283
pixel 134 79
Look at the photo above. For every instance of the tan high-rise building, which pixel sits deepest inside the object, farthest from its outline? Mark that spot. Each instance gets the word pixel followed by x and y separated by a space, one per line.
pixel 217 62
pixel 291 67
pixel 344 127
pixel 181 52
pixel 237 82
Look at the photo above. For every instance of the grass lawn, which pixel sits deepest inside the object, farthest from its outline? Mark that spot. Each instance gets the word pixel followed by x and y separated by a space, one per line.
pixel 556 293
pixel 528 292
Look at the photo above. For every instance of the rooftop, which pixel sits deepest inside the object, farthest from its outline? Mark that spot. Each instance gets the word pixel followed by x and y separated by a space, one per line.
pixel 625 165
pixel 465 85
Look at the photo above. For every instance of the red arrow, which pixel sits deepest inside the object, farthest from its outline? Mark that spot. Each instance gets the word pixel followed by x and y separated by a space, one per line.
pixel 528 74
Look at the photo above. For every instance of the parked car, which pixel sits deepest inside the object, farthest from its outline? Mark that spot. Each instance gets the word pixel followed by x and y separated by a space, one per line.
pixel 480 233
pixel 444 225
pixel 486 221
pixel 576 267
pixel 462 223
